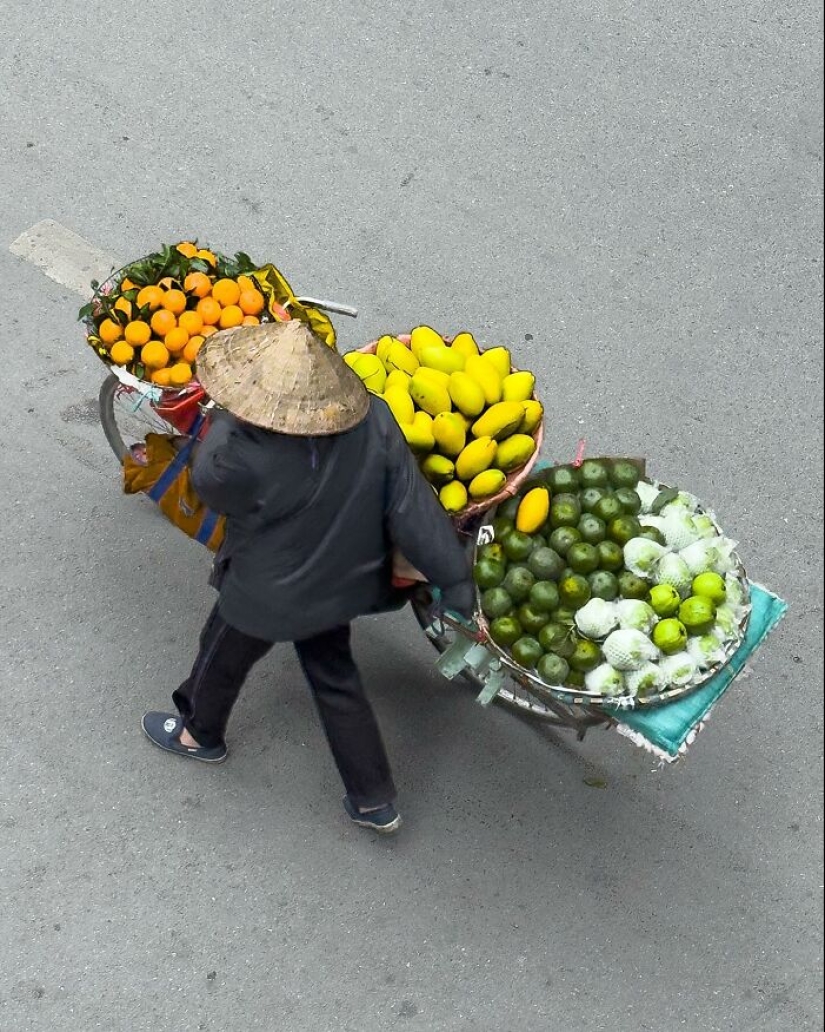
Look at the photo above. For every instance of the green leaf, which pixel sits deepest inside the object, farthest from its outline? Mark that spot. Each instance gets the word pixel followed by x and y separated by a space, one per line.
pixel 663 498
pixel 86 311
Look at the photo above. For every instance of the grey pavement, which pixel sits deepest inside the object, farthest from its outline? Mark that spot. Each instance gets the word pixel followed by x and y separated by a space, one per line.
pixel 630 196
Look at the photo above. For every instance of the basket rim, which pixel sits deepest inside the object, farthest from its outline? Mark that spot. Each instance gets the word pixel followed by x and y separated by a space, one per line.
pixel 614 703
pixel 515 478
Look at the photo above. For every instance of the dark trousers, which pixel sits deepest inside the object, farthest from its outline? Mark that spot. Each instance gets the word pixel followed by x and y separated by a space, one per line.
pixel 226 655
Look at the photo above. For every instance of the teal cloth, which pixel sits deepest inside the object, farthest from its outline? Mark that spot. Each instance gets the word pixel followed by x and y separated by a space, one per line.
pixel 667 727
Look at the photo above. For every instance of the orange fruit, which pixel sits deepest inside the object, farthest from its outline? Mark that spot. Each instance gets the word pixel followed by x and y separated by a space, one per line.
pixel 110 331
pixel 161 377
pixel 174 301
pixel 231 316
pixel 137 332
pixel 247 283
pixel 122 353
pixel 207 331
pixel 167 283
pixel 226 292
pixel 251 320
pixel 122 305
pixel 187 249
pixel 176 340
pixel 192 322
pixel 151 296
pixel 190 352
pixel 163 321
pixel 180 374
pixel 209 310
pixel 154 355
pixel 198 283
pixel 207 256
pixel 127 284
pixel 251 302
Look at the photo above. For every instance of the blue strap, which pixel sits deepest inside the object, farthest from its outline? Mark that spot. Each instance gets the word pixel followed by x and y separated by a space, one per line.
pixel 207 528
pixel 173 470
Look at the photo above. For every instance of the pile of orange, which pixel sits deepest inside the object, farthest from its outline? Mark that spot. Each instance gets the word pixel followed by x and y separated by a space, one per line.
pixel 167 323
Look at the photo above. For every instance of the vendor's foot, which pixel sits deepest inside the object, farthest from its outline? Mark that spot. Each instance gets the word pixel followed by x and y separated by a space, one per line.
pixel 383 819
pixel 166 731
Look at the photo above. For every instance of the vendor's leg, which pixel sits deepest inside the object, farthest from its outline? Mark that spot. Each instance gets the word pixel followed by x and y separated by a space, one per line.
pixel 206 697
pixel 347 716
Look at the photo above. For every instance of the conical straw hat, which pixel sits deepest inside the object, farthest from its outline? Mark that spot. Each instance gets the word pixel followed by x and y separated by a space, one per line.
pixel 281 377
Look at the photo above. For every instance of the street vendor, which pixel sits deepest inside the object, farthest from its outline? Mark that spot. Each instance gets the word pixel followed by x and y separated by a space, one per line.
pixel 319 488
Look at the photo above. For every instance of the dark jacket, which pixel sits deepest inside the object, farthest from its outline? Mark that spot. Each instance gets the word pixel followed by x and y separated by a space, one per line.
pixel 311 523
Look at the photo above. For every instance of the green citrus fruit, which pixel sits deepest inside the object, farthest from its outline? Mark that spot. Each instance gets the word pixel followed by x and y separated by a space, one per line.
pixel 562 538
pixel 592 529
pixel 583 558
pixel 586 656
pixel 553 669
pixel 611 556
pixel 670 636
pixel 574 591
pixel 495 603
pixel 526 652
pixel 603 585
pixel 505 631
pixel 544 596
pixel 698 614
pixel 665 599
pixel 710 585
pixel 518 582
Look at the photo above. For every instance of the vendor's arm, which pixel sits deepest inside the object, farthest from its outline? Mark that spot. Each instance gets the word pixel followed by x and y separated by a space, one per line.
pixel 421 530
pixel 221 473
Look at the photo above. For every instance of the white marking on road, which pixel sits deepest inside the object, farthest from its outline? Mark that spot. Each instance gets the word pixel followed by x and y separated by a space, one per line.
pixel 64 256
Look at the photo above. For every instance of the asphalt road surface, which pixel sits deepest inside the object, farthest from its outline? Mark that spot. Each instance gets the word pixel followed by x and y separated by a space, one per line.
pixel 630 196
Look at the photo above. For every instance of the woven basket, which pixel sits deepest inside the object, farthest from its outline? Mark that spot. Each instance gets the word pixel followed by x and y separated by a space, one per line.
pixel 514 479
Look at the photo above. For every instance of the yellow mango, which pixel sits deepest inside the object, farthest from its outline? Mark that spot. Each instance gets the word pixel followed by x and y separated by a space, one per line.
pixel 499 421
pixel 476 457
pixel 436 376
pixel 429 396
pixel 499 359
pixel 425 337
pixel 533 510
pixel 400 357
pixel 486 484
pixel 438 469
pixel 450 433
pixel 465 344
pixel 351 358
pixel 518 387
pixel 453 497
pixel 419 438
pixel 398 378
pixel 533 415
pixel 401 405
pixel 423 420
pixel 371 371
pixel 486 377
pixel 514 452
pixel 467 395
pixel 445 359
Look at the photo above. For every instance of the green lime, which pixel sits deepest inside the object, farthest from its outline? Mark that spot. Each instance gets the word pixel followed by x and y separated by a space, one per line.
pixel 624 474
pixel 664 599
pixel 592 529
pixel 509 510
pixel 590 497
pixel 622 529
pixel 505 631
pixel 489 573
pixel 652 534
pixel 593 474
pixel 575 679
pixel 603 585
pixel 562 538
pixel 565 512
pixel 546 564
pixel 492 550
pixel 553 669
pixel 517 546
pixel 698 614
pixel 502 527
pixel 586 656
pixel 553 636
pixel 561 479
pixel 631 586
pixel 532 619
pixel 518 582
pixel 608 508
pixel 710 585
pixel 629 500
pixel 611 557
pixel 670 636
pixel 574 591
pixel 583 558
pixel 538 542
pixel 526 652
pixel 495 603
pixel 564 616
pixel 544 596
